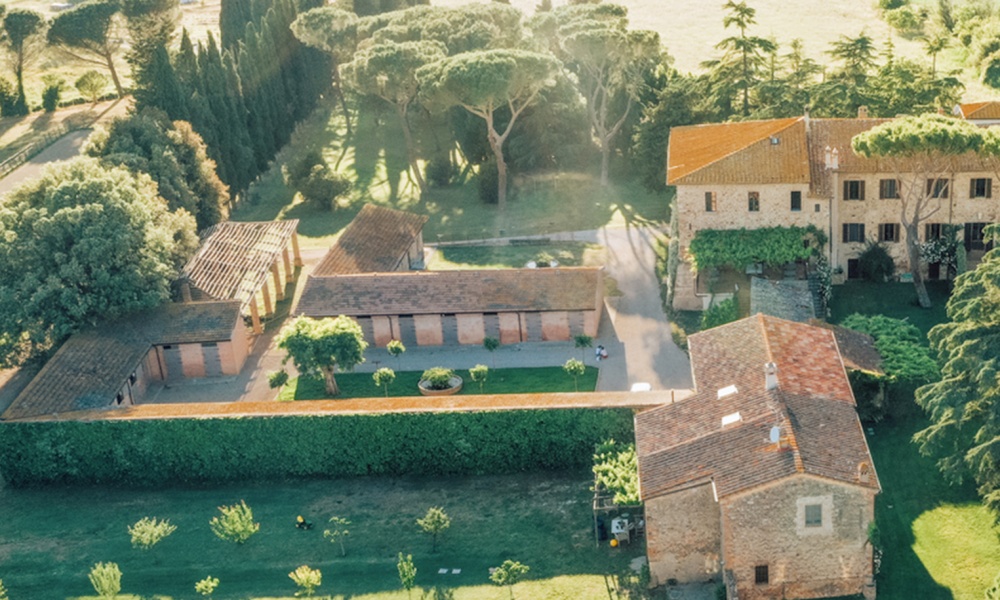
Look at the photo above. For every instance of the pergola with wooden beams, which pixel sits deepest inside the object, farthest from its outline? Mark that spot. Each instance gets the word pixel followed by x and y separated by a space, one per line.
pixel 236 260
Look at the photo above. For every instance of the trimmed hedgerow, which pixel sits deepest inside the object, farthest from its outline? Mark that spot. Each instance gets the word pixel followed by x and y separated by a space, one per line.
pixel 152 452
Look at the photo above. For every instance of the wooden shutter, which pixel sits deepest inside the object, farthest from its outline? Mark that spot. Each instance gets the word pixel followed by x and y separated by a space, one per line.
pixel 972 188
pixel 861 190
pixel 847 232
pixel 847 187
pixel 989 187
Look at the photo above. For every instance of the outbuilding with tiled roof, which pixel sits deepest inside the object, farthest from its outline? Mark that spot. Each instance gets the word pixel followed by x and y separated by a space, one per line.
pixel 763 477
pixel 114 363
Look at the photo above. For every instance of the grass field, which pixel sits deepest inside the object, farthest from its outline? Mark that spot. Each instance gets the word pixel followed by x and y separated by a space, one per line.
pixel 540 203
pixel 940 542
pixel 499 381
pixel 897 300
pixel 52 536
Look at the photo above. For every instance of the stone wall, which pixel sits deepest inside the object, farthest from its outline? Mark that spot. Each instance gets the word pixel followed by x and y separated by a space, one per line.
pixel 683 536
pixel 767 526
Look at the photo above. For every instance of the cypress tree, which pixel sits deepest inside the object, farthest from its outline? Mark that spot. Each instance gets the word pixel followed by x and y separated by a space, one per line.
pixel 233 18
pixel 159 87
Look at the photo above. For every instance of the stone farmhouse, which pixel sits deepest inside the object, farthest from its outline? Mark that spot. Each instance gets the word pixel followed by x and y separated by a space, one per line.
pixel 763 477
pixel 801 172
pixel 371 273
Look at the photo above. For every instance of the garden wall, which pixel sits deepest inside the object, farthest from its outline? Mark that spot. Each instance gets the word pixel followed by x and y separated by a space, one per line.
pixel 158 451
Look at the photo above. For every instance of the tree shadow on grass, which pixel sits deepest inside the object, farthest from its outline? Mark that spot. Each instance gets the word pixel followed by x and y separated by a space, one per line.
pixel 911 485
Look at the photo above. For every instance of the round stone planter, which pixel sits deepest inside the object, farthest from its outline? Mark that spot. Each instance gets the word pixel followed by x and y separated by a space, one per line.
pixel 455 387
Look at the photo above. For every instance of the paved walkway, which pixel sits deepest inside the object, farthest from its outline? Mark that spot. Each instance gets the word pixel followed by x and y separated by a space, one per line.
pixel 65 148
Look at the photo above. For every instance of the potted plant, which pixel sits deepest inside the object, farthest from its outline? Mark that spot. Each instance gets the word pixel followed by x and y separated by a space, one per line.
pixel 439 381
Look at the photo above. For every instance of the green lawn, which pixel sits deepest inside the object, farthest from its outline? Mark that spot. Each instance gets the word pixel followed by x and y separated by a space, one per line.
pixel 52 536
pixel 538 203
pixel 499 381
pixel 569 254
pixel 940 542
pixel 897 300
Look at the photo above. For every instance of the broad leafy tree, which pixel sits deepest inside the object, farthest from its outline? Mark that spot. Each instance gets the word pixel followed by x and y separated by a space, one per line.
pixel 91 85
pixel 483 83
pixel 22 38
pixel 92 33
pixel 84 243
pixel 921 152
pixel 964 406
pixel 173 154
pixel 509 574
pixel 320 346
pixel 389 71
pixel 609 64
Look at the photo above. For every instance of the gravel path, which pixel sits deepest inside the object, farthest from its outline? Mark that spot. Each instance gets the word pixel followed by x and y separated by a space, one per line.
pixel 65 148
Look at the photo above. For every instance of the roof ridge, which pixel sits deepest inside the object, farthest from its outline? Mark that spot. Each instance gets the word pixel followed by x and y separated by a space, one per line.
pixel 793 440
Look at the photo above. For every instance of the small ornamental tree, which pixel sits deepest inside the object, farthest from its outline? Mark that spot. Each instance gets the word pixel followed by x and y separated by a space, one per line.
pixel 3 590
pixel 479 373
pixel 574 369
pixel 434 523
pixel 307 580
pixel 319 346
pixel 147 532
pixel 491 344
pixel 235 524
pixel 407 572
pixel 384 378
pixel 337 532
pixel 206 587
pixel 582 342
pixel 91 85
pixel 396 349
pixel 508 574
pixel 106 579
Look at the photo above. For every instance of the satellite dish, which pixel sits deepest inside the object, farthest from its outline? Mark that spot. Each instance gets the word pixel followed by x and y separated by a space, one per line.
pixel 775 436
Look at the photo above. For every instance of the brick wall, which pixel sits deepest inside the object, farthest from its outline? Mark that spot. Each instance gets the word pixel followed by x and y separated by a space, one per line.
pixel 766 526
pixel 683 535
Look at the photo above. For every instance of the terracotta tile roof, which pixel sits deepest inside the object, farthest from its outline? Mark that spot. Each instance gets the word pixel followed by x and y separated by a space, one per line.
pixel 91 366
pixel 353 406
pixel 857 348
pixel 812 406
pixel 837 134
pixel 979 110
pixel 375 241
pixel 445 292
pixel 235 258
pixel 771 151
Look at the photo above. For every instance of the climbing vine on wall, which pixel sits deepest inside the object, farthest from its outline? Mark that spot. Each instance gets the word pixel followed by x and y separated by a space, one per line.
pixel 740 248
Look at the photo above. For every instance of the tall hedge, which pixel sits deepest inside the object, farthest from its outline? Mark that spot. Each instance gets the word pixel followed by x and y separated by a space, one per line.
pixel 153 452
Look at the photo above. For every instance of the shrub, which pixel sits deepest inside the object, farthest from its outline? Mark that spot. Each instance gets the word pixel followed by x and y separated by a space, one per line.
pixel 437 378
pixel 892 4
pixel 298 172
pixel 148 532
pixel 8 97
pixel 277 379
pixel 875 263
pixel 907 20
pixel 153 452
pixel 106 579
pixel 307 580
pixel 235 524
pixel 488 181
pixel 720 313
pixel 323 187
pixel 206 587
pixel 440 171
pixel 51 93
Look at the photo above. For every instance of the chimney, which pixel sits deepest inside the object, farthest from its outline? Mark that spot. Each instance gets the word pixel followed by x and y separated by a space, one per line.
pixel 827 158
pixel 770 376
pixel 805 118
pixel 835 159
pixel 862 112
